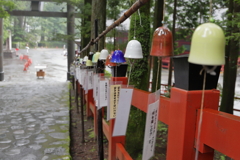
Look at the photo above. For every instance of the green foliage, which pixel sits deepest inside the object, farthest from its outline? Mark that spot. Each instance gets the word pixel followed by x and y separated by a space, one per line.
pixel 222 157
pixel 85 11
pixel 6 5
pixel 107 74
pixel 134 140
pixel 190 14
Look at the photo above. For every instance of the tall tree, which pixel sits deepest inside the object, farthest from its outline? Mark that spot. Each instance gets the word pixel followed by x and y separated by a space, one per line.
pixel 6 5
pixel 140 28
pixel 113 13
pixel 232 53
pixel 86 22
pixel 98 13
pixel 157 22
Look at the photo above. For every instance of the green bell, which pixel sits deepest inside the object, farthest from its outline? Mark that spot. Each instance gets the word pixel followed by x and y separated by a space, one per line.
pixel 208 45
pixel 95 57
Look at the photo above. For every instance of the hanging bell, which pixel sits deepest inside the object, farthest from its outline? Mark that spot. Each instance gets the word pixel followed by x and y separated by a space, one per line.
pixel 108 61
pixel 118 57
pixel 134 50
pixel 162 43
pixel 85 58
pixel 104 54
pixel 81 60
pixel 89 63
pixel 95 57
pixel 208 45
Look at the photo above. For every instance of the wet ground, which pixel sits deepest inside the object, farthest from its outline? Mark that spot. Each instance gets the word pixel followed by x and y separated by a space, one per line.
pixel 34 113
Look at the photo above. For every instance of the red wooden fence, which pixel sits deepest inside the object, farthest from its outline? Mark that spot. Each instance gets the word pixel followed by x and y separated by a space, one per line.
pixel 219 130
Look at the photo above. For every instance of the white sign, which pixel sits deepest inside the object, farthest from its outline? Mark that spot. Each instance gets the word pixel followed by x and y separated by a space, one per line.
pixel 90 80
pixel 95 88
pixel 150 130
pixel 76 73
pixel 79 75
pixel 103 94
pixel 94 85
pixel 82 76
pixel 86 81
pixel 123 110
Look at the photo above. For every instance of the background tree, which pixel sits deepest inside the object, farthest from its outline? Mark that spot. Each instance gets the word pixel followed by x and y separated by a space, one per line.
pixel 140 28
pixel 85 25
pixel 157 22
pixel 6 5
pixel 232 53
pixel 98 12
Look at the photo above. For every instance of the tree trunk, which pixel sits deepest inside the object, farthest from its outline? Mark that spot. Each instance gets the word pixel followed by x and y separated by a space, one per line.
pixel 19 28
pixel 139 78
pixel 42 34
pixel 85 32
pixel 98 12
pixel 230 68
pixel 157 22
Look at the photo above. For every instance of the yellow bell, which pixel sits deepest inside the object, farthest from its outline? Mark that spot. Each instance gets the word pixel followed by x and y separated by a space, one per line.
pixel 89 63
pixel 208 45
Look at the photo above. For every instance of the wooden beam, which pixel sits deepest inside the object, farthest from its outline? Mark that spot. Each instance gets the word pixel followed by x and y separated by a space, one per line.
pixel 219 131
pixel 41 14
pixel 38 14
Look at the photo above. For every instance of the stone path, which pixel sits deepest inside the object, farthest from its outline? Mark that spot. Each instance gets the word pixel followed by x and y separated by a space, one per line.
pixel 34 113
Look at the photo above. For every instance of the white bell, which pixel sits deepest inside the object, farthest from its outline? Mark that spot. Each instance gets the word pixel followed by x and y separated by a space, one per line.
pixel 104 54
pixel 85 58
pixel 134 50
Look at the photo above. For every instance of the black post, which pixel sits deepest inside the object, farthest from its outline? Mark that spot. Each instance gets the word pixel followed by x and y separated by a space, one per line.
pixel 70 41
pixel 1 50
pixel 96 34
pixel 82 112
pixel 99 119
pixel 70 98
pixel 76 96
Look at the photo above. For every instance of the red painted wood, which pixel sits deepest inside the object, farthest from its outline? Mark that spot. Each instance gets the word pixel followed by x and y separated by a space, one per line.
pixel 220 131
pixel 78 87
pixel 89 98
pixel 124 80
pixel 140 99
pixel 106 129
pixel 94 113
pixel 121 153
pixel 164 106
pixel 113 141
pixel 182 122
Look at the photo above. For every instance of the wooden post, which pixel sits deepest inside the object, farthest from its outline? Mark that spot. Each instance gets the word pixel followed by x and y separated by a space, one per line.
pixel 76 96
pixel 183 121
pixel 82 111
pixel 114 140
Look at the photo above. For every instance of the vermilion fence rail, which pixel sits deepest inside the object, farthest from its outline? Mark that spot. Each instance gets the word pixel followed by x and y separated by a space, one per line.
pixel 219 130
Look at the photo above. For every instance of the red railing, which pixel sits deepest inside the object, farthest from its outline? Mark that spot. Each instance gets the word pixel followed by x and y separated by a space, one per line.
pixel 219 130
